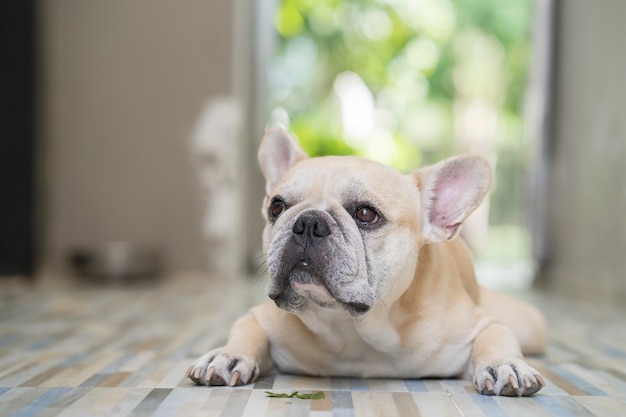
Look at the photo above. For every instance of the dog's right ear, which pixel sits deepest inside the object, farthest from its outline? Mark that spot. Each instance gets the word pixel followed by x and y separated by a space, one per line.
pixel 277 154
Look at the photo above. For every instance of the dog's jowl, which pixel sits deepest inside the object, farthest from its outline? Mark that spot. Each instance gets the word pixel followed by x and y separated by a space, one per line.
pixel 368 278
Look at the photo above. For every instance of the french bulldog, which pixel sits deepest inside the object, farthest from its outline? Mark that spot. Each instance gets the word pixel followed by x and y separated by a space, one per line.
pixel 368 278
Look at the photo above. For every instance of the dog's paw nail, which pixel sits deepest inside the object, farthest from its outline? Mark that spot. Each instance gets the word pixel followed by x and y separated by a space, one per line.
pixel 209 374
pixel 196 374
pixel 489 386
pixel 540 380
pixel 213 378
pixel 511 388
pixel 235 379
pixel 527 382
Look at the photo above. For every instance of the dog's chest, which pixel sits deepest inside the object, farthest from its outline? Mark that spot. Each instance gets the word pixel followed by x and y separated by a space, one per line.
pixel 341 348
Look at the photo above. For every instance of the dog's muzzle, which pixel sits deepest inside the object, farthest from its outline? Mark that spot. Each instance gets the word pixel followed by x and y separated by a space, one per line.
pixel 309 265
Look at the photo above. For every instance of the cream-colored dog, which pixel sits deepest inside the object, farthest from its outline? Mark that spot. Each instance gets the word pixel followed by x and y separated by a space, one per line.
pixel 368 279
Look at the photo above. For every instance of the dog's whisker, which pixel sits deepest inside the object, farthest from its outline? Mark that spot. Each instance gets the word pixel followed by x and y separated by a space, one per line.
pixel 258 266
pixel 259 275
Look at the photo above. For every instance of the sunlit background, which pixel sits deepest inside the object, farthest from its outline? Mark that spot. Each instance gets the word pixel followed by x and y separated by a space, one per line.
pixel 409 83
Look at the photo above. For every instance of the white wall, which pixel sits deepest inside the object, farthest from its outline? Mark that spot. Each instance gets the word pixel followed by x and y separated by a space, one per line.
pixel 587 198
pixel 122 83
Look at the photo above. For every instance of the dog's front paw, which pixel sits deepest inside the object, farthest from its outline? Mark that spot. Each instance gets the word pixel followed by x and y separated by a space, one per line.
pixel 512 378
pixel 219 367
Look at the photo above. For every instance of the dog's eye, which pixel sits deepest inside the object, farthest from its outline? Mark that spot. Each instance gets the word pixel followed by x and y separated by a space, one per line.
pixel 366 215
pixel 276 208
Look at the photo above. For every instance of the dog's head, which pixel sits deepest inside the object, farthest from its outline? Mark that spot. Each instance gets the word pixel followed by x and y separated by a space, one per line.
pixel 346 232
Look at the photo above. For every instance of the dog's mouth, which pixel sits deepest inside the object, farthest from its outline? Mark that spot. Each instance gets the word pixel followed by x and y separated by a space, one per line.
pixel 304 282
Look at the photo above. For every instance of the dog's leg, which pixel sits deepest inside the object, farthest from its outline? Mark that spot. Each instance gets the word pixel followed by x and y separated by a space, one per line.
pixel 498 364
pixel 526 322
pixel 237 363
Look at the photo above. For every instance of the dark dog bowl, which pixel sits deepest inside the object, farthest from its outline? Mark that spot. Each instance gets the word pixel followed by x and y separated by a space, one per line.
pixel 117 262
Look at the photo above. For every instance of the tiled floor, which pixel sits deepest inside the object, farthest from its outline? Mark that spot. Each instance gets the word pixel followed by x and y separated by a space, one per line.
pixel 117 352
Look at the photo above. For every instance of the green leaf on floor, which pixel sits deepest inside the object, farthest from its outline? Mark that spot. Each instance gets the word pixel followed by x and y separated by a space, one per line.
pixel 314 396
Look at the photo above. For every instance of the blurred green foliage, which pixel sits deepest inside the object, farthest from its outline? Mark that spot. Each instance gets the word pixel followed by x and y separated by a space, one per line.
pixel 429 78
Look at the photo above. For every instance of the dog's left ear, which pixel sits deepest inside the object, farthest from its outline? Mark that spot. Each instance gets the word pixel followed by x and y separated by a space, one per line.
pixel 277 154
pixel 451 191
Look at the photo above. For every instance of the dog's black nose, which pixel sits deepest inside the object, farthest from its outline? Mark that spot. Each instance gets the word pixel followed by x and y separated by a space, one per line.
pixel 310 226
